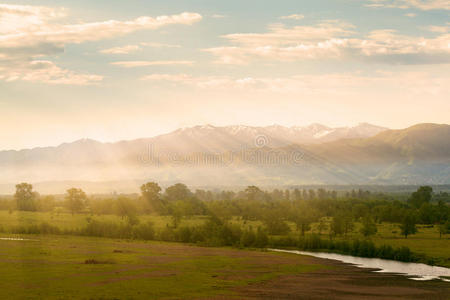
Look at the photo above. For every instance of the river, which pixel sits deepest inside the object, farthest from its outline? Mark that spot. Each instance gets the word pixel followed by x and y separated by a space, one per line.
pixel 415 271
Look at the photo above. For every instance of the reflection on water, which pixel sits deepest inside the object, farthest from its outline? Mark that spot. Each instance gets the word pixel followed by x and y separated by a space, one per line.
pixel 413 271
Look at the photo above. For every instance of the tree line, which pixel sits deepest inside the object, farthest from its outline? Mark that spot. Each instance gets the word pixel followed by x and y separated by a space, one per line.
pixel 275 209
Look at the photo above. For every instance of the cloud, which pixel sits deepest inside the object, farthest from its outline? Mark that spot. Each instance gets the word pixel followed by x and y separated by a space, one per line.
pixel 406 4
pixel 332 40
pixel 160 45
pixel 280 34
pixel 47 72
pixel 331 84
pixel 15 18
pixel 411 15
pixel 217 16
pixel 134 64
pixel 168 77
pixel 127 49
pixel 28 33
pixel 121 50
pixel 439 29
pixel 293 17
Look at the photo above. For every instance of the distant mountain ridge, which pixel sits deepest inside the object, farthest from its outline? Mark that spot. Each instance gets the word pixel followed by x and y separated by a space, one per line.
pixel 363 154
pixel 238 134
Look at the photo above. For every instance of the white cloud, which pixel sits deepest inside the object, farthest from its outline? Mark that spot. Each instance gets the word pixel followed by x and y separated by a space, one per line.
pixel 217 16
pixel 47 72
pixel 406 4
pixel 332 40
pixel 439 29
pixel 331 84
pixel 30 32
pixel 411 15
pixel 280 34
pixel 134 64
pixel 293 17
pixel 121 50
pixel 168 77
pixel 127 49
pixel 160 45
pixel 84 32
pixel 15 18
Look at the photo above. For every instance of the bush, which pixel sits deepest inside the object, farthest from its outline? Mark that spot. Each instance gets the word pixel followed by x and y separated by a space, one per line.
pixel 144 231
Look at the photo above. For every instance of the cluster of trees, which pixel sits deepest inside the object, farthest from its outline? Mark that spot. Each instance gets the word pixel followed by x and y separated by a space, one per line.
pixel 276 209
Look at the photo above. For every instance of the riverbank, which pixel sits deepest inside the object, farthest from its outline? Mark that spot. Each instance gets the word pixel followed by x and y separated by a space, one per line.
pixel 414 271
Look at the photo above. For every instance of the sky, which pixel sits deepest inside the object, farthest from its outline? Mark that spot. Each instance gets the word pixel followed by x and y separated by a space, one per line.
pixel 113 70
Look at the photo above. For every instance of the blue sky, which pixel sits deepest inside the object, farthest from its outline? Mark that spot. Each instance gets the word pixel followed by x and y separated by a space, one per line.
pixel 112 70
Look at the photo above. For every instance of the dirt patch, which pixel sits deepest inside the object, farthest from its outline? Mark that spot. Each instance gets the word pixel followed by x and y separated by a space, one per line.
pixel 343 281
pixel 153 274
pixel 92 261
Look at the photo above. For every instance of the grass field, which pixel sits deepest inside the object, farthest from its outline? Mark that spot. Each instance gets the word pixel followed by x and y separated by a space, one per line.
pixel 54 267
pixel 67 267
pixel 69 221
pixel 426 241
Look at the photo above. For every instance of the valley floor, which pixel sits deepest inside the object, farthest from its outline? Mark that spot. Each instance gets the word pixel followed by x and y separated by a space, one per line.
pixel 66 267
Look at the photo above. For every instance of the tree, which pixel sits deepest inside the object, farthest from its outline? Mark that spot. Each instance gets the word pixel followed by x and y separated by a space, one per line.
pixel 349 225
pixel 287 195
pixel 75 200
pixel 124 207
pixel 25 197
pixel 178 191
pixel 322 226
pixel 303 217
pixel 444 228
pixel 151 192
pixel 253 192
pixel 408 225
pixel 337 225
pixel 368 226
pixel 273 220
pixel 421 196
pixel 427 213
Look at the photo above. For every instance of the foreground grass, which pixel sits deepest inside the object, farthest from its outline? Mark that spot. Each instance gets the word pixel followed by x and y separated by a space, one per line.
pixel 54 267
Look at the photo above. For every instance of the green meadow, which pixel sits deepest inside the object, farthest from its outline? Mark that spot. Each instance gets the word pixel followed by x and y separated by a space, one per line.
pixel 425 242
pixel 63 267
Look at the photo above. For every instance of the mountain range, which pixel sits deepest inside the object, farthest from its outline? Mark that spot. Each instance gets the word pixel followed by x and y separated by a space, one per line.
pixel 239 155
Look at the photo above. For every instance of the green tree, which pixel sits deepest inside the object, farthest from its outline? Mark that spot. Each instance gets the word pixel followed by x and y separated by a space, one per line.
pixel 253 193
pixel 75 200
pixel 427 213
pixel 368 226
pixel 178 191
pixel 421 196
pixel 151 192
pixel 408 225
pixel 444 228
pixel 337 225
pixel 303 217
pixel 124 207
pixel 25 197
pixel 322 226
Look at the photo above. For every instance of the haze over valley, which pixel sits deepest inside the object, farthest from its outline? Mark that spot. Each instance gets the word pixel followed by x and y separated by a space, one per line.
pixel 242 155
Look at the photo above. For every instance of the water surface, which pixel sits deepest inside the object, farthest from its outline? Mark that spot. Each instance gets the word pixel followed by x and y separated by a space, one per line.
pixel 415 271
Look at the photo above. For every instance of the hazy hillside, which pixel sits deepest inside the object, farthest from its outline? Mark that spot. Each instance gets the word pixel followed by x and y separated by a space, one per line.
pixel 239 155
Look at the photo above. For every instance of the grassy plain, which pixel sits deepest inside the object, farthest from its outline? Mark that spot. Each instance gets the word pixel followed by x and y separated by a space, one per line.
pixel 68 267
pixel 426 241
pixel 62 267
